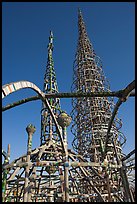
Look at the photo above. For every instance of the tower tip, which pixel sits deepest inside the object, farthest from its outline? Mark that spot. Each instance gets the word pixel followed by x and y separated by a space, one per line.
pixel 79 11
pixel 51 38
pixel 51 33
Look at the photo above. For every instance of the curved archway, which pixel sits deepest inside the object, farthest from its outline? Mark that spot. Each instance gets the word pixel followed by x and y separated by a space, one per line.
pixel 15 86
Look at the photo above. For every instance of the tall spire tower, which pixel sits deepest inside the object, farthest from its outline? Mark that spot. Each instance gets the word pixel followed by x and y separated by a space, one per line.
pixel 91 115
pixel 48 128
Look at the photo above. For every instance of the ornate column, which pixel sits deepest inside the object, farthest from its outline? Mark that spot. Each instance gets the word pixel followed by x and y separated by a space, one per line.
pixel 30 130
pixel 64 120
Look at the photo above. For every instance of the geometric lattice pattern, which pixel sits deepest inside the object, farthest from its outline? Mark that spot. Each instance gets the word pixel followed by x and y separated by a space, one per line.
pixel 54 173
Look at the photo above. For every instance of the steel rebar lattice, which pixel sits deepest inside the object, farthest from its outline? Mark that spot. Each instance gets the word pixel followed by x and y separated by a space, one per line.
pixel 54 173
pixel 48 128
pixel 51 172
pixel 34 181
pixel 92 115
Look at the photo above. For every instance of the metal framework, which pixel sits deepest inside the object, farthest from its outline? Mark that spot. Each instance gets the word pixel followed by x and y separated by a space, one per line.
pixel 91 115
pixel 96 138
pixel 97 170
pixel 48 127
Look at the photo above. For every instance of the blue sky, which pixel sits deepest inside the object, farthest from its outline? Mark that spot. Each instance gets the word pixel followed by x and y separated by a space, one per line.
pixel 25 33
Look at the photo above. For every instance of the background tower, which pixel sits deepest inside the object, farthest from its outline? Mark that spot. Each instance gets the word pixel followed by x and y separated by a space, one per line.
pixel 48 128
pixel 91 115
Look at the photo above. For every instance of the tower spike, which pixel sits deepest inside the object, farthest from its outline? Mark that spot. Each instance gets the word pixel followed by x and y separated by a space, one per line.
pixel 50 82
pixel 83 36
pixel 48 128
pixel 79 11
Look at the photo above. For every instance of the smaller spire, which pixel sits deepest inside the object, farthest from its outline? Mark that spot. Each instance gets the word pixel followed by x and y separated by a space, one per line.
pixel 50 83
pixel 48 127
